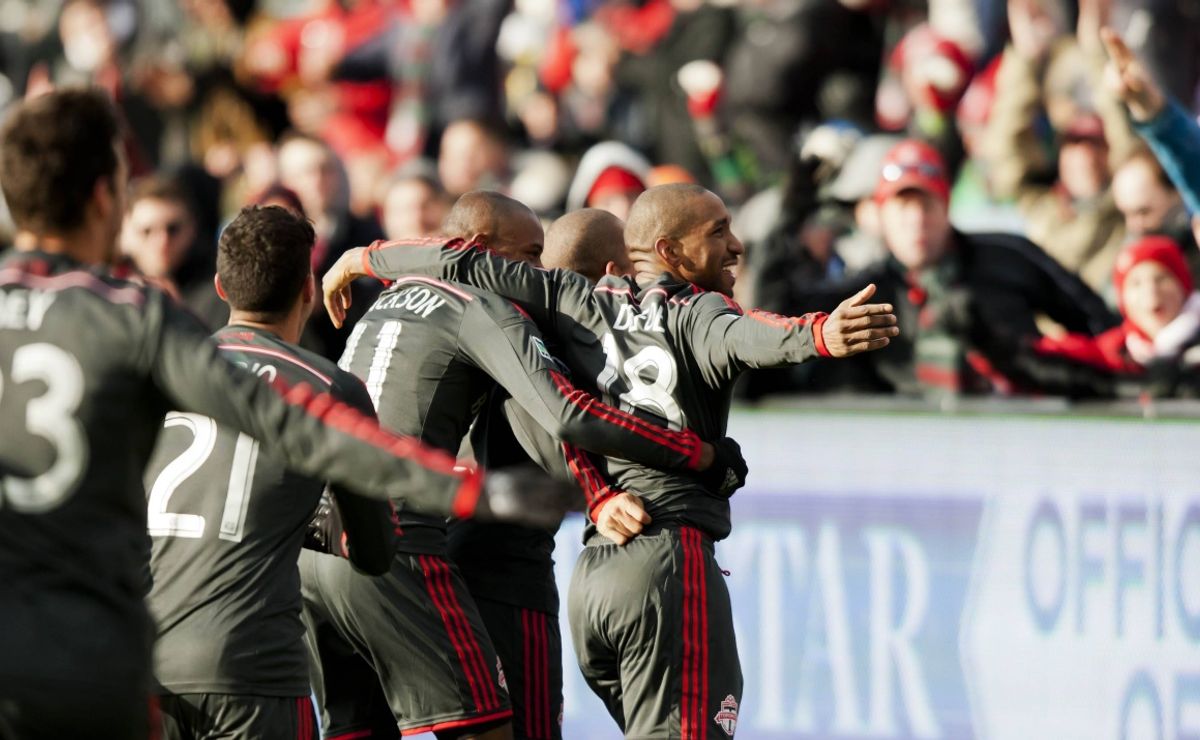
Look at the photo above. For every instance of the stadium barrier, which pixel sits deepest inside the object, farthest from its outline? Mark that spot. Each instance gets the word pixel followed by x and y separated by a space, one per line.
pixel 1000 571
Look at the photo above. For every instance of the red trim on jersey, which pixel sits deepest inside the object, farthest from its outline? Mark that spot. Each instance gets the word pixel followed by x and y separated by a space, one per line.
pixel 433 281
pixel 433 584
pixel 440 726
pixel 595 491
pixel 466 500
pixel 616 291
pixel 686 442
pixel 365 258
pixel 75 279
pixel 154 717
pixel 278 355
pixel 731 303
pixel 348 420
pixel 527 672
pixel 818 330
pixel 520 310
pixel 700 573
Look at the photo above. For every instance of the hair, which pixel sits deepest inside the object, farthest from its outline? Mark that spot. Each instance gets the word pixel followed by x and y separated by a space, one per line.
pixel 263 259
pixel 661 212
pixel 480 212
pixel 1143 155
pixel 53 150
pixel 160 187
pixel 279 192
pixel 585 241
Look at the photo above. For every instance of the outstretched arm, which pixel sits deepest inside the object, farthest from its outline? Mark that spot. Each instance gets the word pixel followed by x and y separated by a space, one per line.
pixel 733 340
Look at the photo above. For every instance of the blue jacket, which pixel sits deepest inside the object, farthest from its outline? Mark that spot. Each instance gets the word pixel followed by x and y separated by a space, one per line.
pixel 1174 137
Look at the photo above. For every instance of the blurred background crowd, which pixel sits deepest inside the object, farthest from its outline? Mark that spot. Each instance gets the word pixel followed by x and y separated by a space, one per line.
pixel 1017 176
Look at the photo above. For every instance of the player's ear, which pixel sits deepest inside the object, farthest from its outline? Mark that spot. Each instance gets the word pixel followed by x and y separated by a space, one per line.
pixel 309 294
pixel 220 288
pixel 483 239
pixel 668 251
pixel 613 269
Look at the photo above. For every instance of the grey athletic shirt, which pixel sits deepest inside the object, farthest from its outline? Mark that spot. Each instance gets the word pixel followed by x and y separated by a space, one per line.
pixel 227 520
pixel 668 352
pixel 89 365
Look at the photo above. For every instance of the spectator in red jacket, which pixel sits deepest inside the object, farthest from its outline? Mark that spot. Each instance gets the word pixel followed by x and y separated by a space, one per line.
pixel 1155 349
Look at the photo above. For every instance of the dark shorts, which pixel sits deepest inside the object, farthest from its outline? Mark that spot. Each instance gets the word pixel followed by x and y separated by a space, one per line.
pixel 51 711
pixel 419 637
pixel 529 643
pixel 653 632
pixel 237 717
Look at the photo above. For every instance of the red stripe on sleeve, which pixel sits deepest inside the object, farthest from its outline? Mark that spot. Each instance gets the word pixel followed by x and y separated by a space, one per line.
pixel 348 420
pixel 685 442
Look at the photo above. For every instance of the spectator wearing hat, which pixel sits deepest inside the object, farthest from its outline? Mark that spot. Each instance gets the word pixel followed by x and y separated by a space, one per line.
pixel 1155 349
pixel 610 177
pixel 1066 200
pixel 940 280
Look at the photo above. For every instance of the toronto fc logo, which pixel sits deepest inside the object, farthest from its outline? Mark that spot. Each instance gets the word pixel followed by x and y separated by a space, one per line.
pixel 727 717
pixel 500 673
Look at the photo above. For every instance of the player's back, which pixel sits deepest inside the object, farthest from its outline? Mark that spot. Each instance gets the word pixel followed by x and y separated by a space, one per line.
pixel 639 349
pixel 79 413
pixel 408 349
pixel 227 522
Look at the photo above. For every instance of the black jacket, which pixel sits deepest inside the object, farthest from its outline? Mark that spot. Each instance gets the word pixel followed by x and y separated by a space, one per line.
pixel 1004 280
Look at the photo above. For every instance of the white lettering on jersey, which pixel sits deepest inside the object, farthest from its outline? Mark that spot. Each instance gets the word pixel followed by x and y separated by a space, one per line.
pixel 630 319
pixel 421 301
pixel 24 309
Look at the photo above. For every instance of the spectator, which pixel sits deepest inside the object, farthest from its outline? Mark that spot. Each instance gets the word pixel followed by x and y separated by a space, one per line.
pixel 310 169
pixel 472 156
pixel 935 275
pixel 1149 202
pixel 414 205
pixel 1170 131
pixel 159 236
pixel 610 177
pixel 697 31
pixel 1066 202
pixel 1156 348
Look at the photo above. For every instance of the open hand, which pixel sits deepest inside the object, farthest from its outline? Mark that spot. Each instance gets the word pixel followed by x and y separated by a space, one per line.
pixel 1128 79
pixel 857 326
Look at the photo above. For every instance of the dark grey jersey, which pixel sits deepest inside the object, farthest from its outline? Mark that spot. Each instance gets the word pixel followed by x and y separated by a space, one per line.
pixel 669 351
pixel 227 520
pixel 429 350
pixel 88 367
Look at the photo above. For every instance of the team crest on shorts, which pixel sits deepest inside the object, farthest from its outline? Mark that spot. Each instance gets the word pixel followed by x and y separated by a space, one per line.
pixel 727 717
pixel 500 673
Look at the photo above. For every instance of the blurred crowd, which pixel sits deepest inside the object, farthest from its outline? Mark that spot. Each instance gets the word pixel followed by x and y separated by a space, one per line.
pixel 1018 177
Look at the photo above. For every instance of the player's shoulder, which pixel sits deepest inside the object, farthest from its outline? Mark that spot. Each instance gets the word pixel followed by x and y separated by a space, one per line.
pixel 270 356
pixel 421 296
pixel 55 274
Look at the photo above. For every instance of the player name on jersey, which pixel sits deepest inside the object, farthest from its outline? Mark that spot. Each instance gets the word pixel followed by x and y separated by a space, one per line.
pixel 21 309
pixel 418 299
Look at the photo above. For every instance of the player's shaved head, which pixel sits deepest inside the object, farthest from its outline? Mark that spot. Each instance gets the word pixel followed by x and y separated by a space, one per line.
pixel 683 229
pixel 587 241
pixel 662 212
pixel 506 225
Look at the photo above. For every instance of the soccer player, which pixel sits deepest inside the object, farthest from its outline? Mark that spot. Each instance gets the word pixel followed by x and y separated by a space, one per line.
pixel 654 612
pixel 228 520
pixel 89 365
pixel 430 351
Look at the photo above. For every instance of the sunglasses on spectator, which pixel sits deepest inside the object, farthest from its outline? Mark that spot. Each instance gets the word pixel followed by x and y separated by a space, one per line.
pixel 893 171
